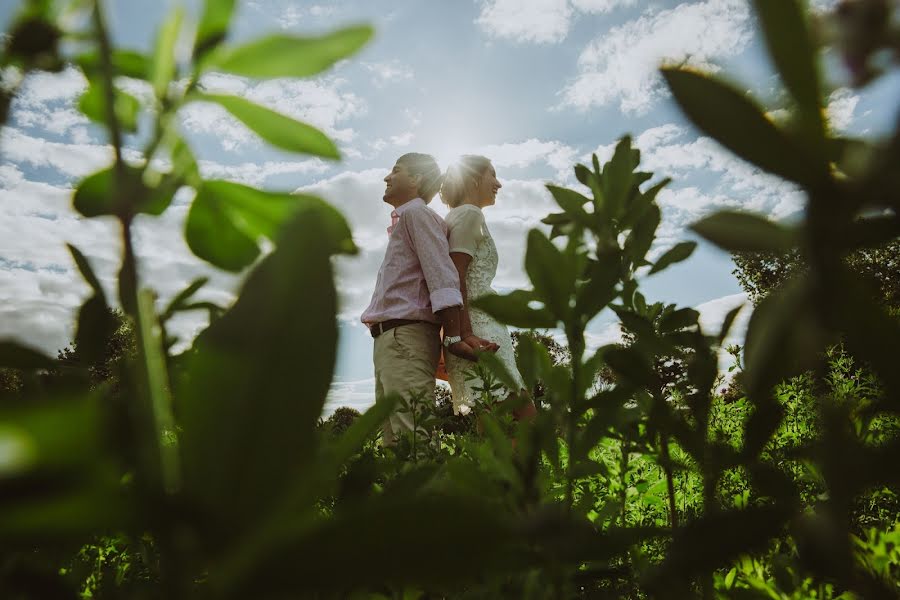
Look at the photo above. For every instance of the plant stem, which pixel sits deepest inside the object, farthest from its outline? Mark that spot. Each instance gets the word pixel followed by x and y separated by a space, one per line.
pixel 670 482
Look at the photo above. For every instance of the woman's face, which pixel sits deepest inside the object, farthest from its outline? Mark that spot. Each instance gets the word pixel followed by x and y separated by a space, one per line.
pixel 489 184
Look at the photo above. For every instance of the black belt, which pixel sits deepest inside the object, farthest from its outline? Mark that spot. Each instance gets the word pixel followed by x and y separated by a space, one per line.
pixel 379 328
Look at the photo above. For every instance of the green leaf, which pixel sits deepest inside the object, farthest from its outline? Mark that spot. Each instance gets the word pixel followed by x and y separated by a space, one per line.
pixel 675 254
pixel 93 104
pixel 600 288
pixel 127 63
pixel 569 200
pixel 512 309
pixel 96 196
pixel 728 322
pixel 725 114
pixel 18 356
pixel 618 178
pixel 549 273
pixel 95 322
pixel 496 366
pixel 163 68
pixel 253 389
pixel 739 231
pixel 227 219
pixel 678 320
pixel 56 484
pixel 638 242
pixel 794 55
pixel 277 129
pixel 631 364
pixel 532 359
pixel 289 56
pixel 87 271
pixel 180 300
pixel 213 25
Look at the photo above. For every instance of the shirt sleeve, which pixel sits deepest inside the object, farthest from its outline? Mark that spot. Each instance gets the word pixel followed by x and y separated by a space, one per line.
pixel 466 230
pixel 429 240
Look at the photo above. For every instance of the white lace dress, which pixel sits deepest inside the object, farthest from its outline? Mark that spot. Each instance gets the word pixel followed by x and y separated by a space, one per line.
pixel 469 234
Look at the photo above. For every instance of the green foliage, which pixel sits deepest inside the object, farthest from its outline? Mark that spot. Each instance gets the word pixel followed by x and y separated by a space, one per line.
pixel 127 471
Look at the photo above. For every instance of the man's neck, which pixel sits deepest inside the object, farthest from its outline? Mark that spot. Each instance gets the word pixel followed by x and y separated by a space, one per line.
pixel 407 201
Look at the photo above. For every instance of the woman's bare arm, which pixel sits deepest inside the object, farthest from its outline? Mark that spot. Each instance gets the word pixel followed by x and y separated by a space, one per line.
pixel 461 261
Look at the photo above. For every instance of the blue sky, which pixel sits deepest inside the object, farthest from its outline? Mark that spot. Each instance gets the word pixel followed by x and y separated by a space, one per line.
pixel 536 85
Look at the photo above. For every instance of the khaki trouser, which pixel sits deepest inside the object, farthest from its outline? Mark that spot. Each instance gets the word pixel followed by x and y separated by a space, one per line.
pixel 406 358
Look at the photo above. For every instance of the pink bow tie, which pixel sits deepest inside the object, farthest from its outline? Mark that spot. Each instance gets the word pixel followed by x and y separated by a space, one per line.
pixel 394 218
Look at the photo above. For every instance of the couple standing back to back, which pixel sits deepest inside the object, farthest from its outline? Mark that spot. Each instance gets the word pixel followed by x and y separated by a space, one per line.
pixel 433 268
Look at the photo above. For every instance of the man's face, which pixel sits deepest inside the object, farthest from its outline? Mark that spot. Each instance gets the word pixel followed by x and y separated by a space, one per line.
pixel 400 186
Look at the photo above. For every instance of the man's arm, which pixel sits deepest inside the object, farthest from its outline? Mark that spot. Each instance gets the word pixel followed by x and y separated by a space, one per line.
pixel 429 241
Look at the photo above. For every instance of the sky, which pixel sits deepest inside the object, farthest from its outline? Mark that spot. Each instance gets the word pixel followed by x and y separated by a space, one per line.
pixel 535 85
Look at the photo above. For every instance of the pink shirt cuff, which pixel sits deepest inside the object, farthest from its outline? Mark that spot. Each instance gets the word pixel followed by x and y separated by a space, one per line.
pixel 445 298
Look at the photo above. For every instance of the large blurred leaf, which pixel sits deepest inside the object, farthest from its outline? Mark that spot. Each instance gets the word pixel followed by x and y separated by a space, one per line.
pixel 740 231
pixel 316 558
pixel 725 113
pixel 255 384
pixel 277 129
pixel 288 56
pixel 549 273
pixel 788 40
pixel 213 25
pixel 55 483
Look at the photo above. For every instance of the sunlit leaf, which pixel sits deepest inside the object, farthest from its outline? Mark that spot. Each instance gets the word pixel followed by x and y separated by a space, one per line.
pixel 549 273
pixel 289 56
pixel 163 66
pixel 277 129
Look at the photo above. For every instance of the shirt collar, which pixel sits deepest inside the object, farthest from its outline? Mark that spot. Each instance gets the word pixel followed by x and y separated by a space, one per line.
pixel 407 205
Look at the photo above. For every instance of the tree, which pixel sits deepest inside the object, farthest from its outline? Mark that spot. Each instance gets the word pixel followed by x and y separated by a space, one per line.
pixel 760 273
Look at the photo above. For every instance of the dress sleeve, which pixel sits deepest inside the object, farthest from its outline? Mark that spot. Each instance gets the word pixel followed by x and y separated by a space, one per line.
pixel 466 229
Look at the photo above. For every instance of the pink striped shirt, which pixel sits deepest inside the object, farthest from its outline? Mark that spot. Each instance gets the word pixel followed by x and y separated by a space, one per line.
pixel 417 277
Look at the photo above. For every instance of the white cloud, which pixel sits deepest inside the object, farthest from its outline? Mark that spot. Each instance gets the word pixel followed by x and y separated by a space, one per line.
pixel 538 21
pixel 352 394
pixel 404 139
pixel 601 6
pixel 621 66
pixel 71 160
pixel 386 72
pixel 841 108
pixel 256 174
pixel 554 153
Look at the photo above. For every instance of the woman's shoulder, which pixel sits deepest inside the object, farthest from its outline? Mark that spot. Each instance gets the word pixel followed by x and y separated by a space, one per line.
pixel 464 212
